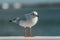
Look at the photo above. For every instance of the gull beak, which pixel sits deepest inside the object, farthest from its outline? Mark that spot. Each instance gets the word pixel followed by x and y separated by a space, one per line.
pixel 37 15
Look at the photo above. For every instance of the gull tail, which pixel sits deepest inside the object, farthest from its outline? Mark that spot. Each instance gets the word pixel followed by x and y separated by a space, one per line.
pixel 12 20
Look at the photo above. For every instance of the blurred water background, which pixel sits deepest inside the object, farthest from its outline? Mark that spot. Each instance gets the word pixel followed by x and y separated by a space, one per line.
pixel 48 24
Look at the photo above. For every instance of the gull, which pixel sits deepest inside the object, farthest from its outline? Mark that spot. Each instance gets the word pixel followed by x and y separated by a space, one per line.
pixel 26 20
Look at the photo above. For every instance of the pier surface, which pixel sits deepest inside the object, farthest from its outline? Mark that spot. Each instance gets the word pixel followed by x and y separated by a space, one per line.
pixel 30 38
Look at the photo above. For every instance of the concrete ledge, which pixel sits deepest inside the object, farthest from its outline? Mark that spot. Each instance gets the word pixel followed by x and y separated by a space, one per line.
pixel 35 37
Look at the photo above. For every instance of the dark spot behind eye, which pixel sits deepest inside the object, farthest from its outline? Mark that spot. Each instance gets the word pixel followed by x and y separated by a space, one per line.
pixel 33 13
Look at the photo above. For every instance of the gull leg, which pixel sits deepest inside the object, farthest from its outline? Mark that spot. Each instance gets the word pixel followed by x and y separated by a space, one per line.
pixel 25 32
pixel 31 32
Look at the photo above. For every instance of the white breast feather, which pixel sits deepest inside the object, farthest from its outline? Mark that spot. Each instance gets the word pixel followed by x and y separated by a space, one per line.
pixel 29 23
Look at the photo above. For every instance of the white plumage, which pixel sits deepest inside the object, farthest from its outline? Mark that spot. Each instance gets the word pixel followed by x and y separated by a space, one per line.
pixel 29 23
pixel 27 20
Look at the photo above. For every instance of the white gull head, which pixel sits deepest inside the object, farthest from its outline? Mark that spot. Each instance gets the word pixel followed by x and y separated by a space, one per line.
pixel 35 12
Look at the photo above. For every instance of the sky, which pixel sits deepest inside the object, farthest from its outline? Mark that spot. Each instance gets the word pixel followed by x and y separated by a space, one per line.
pixel 30 1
